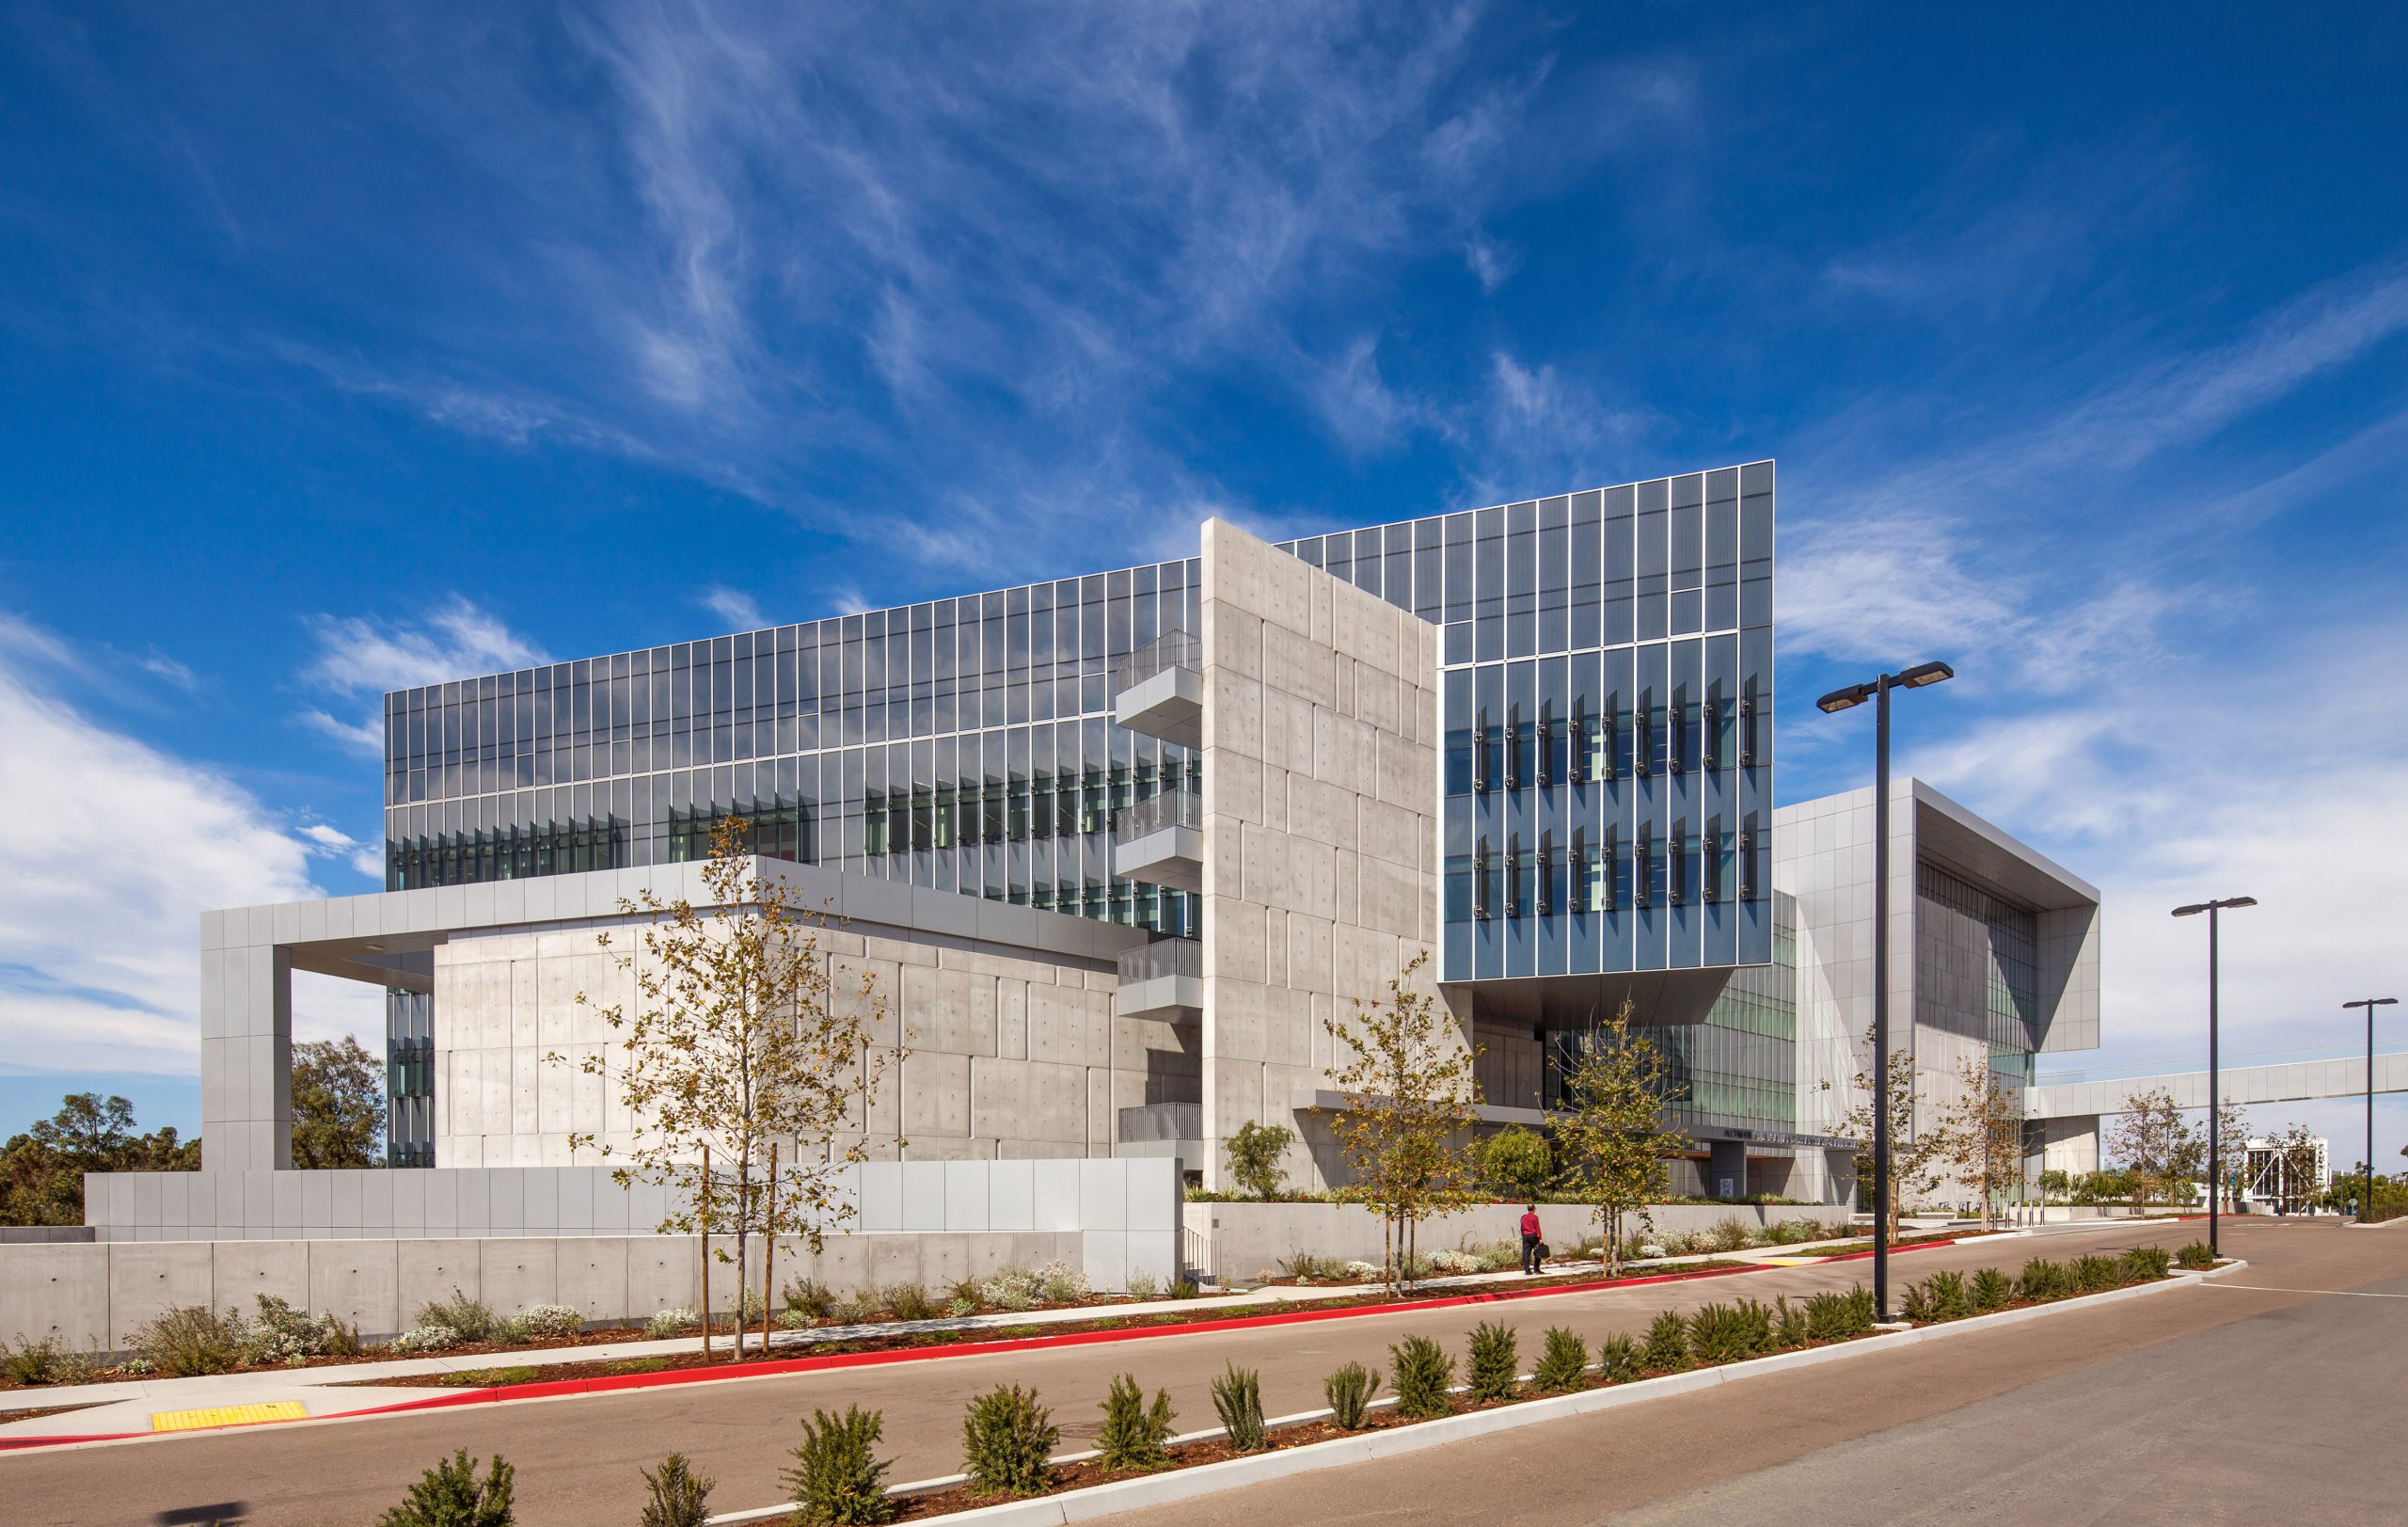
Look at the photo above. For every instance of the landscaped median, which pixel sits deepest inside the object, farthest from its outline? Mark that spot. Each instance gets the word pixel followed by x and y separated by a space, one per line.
pixel 1716 1343
pixel 1011 1478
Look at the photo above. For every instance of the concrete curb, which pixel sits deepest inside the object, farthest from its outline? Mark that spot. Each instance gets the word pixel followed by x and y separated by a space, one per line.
pixel 2380 1224
pixel 1184 1484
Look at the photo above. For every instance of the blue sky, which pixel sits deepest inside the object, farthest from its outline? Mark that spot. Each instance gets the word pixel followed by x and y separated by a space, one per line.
pixel 343 350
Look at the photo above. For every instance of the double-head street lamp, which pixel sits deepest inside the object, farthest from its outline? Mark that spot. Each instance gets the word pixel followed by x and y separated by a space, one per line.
pixel 1916 678
pixel 2215 1100
pixel 2366 1205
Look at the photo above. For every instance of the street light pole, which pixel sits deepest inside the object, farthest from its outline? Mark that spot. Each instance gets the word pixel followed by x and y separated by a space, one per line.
pixel 1915 677
pixel 2366 1204
pixel 2215 1087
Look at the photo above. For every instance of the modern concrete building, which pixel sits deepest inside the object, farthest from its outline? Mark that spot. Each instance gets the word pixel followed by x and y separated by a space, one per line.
pixel 1119 847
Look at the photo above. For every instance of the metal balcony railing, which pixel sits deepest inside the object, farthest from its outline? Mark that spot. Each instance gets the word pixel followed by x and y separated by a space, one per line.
pixel 1163 957
pixel 1171 808
pixel 1162 1121
pixel 1172 649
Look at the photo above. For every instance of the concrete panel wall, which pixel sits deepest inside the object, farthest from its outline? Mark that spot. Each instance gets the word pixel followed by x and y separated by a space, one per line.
pixel 92 1296
pixel 1319 731
pixel 1009 1055
pixel 447 1213
pixel 1242 1240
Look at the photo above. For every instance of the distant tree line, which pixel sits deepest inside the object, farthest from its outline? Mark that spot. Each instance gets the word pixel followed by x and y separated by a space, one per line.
pixel 338 1120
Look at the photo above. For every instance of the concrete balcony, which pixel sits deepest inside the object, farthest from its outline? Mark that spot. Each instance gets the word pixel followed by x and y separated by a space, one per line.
pixel 1159 689
pixel 1161 840
pixel 1163 981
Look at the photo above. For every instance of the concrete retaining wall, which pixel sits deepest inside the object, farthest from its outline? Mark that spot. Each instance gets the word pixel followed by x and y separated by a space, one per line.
pixel 92 1296
pixel 1239 1240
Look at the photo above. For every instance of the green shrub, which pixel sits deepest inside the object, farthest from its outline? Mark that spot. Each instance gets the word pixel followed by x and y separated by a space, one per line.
pixel 1790 1325
pixel 2196 1257
pixel 1945 1291
pixel 1991 1289
pixel 837 1479
pixel 1310 1266
pixel 807 1298
pixel 2147 1264
pixel 1424 1374
pixel 1915 1304
pixel 1617 1358
pixel 863 1304
pixel 2043 1280
pixel 677 1494
pixel 190 1341
pixel 1007 1440
pixel 1757 1318
pixel 470 1320
pixel 1254 1153
pixel 1563 1362
pixel 46 1362
pixel 1348 1391
pixel 1859 1311
pixel 1718 1333
pixel 1496 1361
pixel 1518 1161
pixel 1827 1317
pixel 1729 1234
pixel 451 1495
pixel 1133 1431
pixel 1182 1288
pixel 660 1326
pixel 280 1333
pixel 2096 1273
pixel 910 1301
pixel 547 1322
pixel 1237 1398
pixel 1667 1349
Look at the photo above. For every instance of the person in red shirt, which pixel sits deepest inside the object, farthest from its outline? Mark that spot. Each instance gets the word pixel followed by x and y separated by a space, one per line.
pixel 1529 1240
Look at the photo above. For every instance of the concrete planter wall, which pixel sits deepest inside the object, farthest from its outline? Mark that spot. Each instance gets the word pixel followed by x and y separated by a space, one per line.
pixel 1239 1240
pixel 92 1296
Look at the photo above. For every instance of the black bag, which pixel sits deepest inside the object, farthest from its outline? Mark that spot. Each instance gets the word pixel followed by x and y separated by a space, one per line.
pixel 1546 1253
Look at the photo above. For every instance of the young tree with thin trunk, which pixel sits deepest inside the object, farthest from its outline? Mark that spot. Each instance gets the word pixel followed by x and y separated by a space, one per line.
pixel 1914 1153
pixel 1610 1141
pixel 2232 1147
pixel 1410 1092
pixel 740 1038
pixel 2157 1146
pixel 1980 1134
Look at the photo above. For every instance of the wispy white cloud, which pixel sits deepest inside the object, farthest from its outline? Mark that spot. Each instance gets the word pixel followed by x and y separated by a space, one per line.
pixel 734 607
pixel 360 654
pixel 99 909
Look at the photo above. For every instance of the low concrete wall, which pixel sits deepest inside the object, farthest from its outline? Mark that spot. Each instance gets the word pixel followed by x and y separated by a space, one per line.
pixel 1239 1240
pixel 1104 1194
pixel 93 1296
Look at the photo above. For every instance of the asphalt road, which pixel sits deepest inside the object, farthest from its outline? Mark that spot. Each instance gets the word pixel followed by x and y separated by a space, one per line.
pixel 2262 1400
pixel 578 1459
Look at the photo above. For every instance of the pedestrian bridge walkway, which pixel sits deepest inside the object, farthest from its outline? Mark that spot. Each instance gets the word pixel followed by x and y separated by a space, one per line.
pixel 2331 1075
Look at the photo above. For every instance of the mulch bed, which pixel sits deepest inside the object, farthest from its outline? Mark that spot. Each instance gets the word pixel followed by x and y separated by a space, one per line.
pixel 39 1411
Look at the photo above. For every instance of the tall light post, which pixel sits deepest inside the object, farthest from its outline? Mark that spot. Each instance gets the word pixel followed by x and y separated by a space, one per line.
pixel 2215 1089
pixel 2371 1003
pixel 1916 678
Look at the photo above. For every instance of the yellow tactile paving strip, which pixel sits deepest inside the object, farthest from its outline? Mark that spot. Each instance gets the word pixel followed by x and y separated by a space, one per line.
pixel 227 1415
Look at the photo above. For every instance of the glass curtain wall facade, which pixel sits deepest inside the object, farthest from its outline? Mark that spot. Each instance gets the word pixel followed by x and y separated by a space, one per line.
pixel 1977 969
pixel 409 1078
pixel 1738 1069
pixel 964 744
pixel 1608 698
